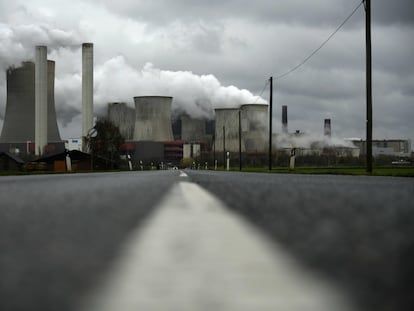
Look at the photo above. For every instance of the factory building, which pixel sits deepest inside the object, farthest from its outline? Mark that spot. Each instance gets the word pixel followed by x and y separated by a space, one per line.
pixel 386 147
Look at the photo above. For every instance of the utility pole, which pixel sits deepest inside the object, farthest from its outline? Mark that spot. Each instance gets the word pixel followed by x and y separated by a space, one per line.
pixel 240 150
pixel 367 4
pixel 270 122
pixel 224 147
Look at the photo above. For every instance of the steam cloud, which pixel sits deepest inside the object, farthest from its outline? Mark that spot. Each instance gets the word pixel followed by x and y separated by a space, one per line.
pixel 196 95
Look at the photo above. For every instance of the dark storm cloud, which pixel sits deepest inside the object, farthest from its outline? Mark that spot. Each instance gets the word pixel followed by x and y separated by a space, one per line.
pixel 201 49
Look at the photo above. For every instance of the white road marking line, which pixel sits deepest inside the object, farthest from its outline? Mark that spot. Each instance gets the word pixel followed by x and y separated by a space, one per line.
pixel 194 254
pixel 182 174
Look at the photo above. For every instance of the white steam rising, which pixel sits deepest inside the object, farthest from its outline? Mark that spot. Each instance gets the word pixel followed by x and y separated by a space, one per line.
pixel 310 141
pixel 197 95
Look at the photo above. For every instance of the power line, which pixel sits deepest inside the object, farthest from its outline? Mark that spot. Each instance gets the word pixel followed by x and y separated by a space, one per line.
pixel 321 46
pixel 261 93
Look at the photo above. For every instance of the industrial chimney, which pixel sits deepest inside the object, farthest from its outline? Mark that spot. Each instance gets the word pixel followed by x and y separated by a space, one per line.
pixel 327 127
pixel 52 126
pixel 87 90
pixel 41 80
pixel 284 119
pixel 153 118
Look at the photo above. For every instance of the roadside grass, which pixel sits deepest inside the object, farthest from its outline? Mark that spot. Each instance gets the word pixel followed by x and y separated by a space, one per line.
pixel 406 171
pixel 401 171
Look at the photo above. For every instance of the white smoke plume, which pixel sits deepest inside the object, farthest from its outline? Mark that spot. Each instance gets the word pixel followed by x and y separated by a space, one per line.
pixel 309 141
pixel 196 95
pixel 17 42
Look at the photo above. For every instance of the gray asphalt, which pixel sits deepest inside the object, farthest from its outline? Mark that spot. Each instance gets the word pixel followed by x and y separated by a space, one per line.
pixel 357 230
pixel 59 233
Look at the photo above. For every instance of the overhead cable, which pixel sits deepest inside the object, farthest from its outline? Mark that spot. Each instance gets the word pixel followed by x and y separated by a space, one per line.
pixel 321 46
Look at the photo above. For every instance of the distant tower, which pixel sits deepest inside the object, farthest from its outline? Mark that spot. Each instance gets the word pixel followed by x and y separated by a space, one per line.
pixel 192 129
pixel 19 119
pixel 52 126
pixel 123 117
pixel 284 119
pixel 327 127
pixel 227 118
pixel 255 128
pixel 153 118
pixel 87 89
pixel 40 99
pixel 19 122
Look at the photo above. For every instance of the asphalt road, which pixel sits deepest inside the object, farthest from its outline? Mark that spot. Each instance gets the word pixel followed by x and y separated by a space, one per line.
pixel 60 233
pixel 357 230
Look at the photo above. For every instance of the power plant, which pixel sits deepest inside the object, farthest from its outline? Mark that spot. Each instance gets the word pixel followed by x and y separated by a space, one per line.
pixel 30 126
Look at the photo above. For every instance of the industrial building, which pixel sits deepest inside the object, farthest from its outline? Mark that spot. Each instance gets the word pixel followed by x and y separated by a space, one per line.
pixel 386 147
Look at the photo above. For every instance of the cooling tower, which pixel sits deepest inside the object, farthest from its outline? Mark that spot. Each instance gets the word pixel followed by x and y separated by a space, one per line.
pixel 255 126
pixel 87 88
pixel 123 117
pixel 284 119
pixel 193 129
pixel 19 121
pixel 327 127
pixel 41 80
pixel 227 118
pixel 153 118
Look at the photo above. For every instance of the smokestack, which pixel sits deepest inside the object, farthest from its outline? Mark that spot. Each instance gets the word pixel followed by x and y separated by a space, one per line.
pixel 284 120
pixel 153 118
pixel 52 126
pixel 87 90
pixel 327 127
pixel 40 99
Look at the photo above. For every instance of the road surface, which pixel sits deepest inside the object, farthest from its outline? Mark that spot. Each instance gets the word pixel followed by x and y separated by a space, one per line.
pixel 164 240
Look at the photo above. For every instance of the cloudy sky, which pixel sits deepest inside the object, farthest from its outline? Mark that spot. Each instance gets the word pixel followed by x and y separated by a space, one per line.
pixel 220 53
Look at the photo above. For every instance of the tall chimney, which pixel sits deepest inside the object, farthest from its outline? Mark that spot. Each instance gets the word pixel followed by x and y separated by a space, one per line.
pixel 284 119
pixel 41 80
pixel 327 127
pixel 87 90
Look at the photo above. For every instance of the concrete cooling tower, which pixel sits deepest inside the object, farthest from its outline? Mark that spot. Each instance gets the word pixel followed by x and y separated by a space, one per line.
pixel 123 117
pixel 19 121
pixel 153 118
pixel 193 129
pixel 254 126
pixel 227 118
